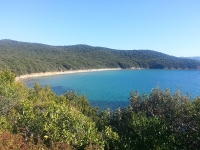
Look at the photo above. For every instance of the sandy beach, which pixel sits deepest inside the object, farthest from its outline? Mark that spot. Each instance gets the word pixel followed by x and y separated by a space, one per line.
pixel 33 75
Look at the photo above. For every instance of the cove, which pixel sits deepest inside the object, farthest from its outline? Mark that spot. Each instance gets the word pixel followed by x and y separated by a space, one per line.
pixel 111 89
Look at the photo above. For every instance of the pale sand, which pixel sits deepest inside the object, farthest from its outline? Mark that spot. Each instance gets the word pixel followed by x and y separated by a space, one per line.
pixel 33 75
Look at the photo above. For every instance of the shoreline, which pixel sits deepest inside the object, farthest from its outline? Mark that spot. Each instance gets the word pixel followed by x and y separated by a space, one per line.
pixel 41 74
pixel 33 75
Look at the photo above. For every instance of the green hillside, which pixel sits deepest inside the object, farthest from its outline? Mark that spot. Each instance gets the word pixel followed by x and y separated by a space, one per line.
pixel 23 58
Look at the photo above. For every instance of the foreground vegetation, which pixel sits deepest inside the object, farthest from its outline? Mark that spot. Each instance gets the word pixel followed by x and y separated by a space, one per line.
pixel 36 118
pixel 24 58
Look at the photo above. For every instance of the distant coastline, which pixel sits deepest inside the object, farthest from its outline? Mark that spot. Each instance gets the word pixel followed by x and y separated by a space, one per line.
pixel 33 75
pixel 36 57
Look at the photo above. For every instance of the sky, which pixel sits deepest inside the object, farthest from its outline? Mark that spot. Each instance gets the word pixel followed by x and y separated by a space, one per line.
pixel 168 26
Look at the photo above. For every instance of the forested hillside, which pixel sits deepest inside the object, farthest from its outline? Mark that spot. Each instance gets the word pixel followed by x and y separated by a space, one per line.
pixel 23 58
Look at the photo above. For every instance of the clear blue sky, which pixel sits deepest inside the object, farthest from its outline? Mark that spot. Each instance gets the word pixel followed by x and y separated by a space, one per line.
pixel 168 26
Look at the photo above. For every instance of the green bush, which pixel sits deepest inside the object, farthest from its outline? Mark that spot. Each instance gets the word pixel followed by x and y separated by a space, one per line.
pixel 39 118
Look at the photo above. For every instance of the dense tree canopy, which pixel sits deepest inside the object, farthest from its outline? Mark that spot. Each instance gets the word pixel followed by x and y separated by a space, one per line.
pixel 23 58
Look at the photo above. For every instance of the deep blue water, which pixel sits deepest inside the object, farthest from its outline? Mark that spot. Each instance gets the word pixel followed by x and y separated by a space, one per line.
pixel 112 88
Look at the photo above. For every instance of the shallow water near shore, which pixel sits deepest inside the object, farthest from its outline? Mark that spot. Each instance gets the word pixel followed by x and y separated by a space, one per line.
pixel 112 88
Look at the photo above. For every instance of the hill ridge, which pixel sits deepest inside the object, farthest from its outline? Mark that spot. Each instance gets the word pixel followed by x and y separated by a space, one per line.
pixel 24 58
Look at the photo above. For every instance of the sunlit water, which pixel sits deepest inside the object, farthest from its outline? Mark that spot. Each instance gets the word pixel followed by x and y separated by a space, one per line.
pixel 112 88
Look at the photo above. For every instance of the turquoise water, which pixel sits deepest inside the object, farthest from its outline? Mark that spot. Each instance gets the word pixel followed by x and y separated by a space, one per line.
pixel 112 88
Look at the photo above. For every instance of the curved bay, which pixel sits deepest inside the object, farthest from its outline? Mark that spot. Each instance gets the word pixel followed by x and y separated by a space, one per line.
pixel 112 88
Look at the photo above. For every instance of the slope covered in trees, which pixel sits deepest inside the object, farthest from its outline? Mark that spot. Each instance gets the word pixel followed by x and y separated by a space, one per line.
pixel 23 58
pixel 37 118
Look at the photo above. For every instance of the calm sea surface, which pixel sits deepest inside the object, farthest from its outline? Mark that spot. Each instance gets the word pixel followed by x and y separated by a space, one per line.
pixel 112 88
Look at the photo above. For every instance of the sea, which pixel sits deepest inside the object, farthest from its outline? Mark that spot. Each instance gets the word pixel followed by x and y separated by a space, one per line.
pixel 111 88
